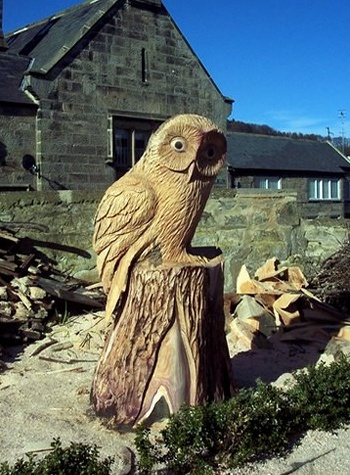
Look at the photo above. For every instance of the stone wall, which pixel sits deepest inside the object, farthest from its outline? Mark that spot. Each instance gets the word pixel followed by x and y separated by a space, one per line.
pixel 17 138
pixel 64 217
pixel 309 209
pixel 248 226
pixel 102 77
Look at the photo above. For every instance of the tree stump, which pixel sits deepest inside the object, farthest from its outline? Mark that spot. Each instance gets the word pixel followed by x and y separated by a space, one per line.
pixel 167 344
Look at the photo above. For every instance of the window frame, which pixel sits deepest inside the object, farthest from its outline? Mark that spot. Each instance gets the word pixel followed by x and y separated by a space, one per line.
pixel 322 189
pixel 258 180
pixel 131 128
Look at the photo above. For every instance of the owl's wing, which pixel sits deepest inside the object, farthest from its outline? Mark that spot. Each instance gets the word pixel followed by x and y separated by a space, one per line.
pixel 122 218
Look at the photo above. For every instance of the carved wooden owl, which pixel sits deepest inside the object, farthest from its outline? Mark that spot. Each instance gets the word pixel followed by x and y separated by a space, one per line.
pixel 157 205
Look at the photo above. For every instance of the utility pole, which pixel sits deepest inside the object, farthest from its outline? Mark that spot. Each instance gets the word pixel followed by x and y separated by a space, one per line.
pixel 341 115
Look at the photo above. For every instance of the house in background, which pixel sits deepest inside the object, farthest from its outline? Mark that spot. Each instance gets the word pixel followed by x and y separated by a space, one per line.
pixel 317 171
pixel 81 92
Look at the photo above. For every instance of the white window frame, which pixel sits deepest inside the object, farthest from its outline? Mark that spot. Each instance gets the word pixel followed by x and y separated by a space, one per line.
pixel 268 183
pixel 324 189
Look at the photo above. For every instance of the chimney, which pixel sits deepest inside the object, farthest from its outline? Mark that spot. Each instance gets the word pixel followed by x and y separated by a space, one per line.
pixel 3 45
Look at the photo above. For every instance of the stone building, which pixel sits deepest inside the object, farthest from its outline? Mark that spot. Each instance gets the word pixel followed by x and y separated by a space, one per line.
pixel 82 90
pixel 317 171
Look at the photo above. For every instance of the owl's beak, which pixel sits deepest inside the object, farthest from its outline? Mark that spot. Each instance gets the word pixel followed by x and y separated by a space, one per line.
pixel 190 171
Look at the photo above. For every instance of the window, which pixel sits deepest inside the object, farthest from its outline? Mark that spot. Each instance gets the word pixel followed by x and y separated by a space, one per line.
pixel 121 148
pixel 268 183
pixel 127 141
pixel 324 189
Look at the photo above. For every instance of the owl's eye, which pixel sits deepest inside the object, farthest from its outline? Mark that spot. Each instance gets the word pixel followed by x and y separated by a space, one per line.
pixel 178 144
pixel 210 152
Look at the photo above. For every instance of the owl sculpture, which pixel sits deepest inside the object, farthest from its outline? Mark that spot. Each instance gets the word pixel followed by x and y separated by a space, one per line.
pixel 156 206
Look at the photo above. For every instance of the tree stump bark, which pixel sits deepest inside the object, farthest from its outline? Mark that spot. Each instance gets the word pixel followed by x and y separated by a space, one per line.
pixel 167 344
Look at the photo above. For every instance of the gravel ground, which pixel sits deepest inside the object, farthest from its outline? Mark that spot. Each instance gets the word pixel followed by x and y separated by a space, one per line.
pixel 319 453
pixel 44 394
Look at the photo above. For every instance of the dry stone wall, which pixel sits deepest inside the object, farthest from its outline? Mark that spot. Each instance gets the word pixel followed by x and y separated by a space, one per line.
pixel 248 226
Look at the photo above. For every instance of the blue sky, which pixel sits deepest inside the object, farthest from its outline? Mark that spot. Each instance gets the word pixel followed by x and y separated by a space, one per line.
pixel 285 63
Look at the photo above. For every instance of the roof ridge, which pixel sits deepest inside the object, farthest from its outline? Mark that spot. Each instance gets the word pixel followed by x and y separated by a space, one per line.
pixel 281 137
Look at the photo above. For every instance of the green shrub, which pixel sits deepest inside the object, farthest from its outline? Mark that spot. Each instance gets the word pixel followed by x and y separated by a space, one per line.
pixel 147 455
pixel 256 423
pixel 77 459
pixel 322 395
pixel 198 440
pixel 259 423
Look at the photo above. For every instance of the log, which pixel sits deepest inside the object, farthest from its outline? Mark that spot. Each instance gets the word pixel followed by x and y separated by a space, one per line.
pixel 166 346
pixel 61 290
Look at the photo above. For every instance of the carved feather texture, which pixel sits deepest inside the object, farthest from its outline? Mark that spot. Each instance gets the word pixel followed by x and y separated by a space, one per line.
pixel 159 202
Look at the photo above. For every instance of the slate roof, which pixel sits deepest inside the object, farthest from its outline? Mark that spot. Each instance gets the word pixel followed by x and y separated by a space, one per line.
pixel 12 68
pixel 49 40
pixel 274 153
